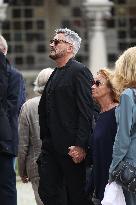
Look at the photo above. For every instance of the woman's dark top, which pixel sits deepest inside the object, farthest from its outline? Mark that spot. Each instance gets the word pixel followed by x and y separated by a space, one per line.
pixel 103 139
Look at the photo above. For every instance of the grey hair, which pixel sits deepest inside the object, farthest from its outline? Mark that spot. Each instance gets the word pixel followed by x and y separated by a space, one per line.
pixel 3 45
pixel 41 80
pixel 72 37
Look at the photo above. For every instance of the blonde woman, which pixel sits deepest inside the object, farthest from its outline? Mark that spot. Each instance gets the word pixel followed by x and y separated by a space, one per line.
pixel 125 141
pixel 104 132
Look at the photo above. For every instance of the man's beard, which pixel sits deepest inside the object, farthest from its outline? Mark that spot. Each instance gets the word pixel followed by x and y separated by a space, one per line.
pixel 56 55
pixel 53 57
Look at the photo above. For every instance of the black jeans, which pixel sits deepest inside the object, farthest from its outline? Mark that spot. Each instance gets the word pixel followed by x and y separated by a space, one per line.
pixel 89 188
pixel 58 172
pixel 8 193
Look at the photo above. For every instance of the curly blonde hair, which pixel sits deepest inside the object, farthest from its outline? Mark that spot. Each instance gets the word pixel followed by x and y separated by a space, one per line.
pixel 108 75
pixel 125 70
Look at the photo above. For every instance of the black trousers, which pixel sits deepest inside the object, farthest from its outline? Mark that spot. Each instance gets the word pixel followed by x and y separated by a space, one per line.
pixel 8 193
pixel 58 172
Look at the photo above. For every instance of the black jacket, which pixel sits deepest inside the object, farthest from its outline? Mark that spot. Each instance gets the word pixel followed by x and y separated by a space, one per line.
pixel 5 130
pixel 12 96
pixel 66 108
pixel 16 96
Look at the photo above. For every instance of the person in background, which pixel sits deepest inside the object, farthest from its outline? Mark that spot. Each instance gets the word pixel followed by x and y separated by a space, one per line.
pixel 124 81
pixel 29 135
pixel 16 94
pixel 15 97
pixel 104 132
pixel 65 116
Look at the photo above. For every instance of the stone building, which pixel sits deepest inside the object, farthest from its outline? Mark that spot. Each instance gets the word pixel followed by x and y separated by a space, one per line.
pixel 29 25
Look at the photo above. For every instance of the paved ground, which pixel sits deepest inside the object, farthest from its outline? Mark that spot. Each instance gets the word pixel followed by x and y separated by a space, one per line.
pixel 25 194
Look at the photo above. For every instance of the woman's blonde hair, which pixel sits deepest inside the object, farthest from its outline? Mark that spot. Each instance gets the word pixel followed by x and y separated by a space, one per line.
pixel 125 70
pixel 108 75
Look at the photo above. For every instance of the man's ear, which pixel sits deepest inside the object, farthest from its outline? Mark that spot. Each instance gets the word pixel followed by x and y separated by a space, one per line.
pixel 70 49
pixel 3 50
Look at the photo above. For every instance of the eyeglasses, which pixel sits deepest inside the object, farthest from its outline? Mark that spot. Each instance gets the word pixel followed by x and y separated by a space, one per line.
pixel 98 83
pixel 57 41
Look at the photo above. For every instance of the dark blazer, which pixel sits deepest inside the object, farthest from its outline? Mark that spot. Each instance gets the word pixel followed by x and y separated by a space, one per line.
pixel 16 96
pixel 12 96
pixel 5 130
pixel 65 110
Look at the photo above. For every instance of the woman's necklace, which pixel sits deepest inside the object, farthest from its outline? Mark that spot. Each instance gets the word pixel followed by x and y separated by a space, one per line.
pixel 109 107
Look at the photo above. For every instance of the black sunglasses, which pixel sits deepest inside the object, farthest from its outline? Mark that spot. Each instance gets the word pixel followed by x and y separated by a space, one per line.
pixel 57 41
pixel 98 83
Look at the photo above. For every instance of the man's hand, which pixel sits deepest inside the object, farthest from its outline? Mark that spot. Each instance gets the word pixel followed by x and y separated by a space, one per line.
pixel 25 179
pixel 77 153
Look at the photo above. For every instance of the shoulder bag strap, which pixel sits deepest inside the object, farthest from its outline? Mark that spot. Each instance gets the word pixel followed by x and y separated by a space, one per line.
pixel 134 94
pixel 134 126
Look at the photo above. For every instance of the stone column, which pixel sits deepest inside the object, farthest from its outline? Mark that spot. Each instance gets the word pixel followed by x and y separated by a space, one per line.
pixel 3 7
pixel 97 11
